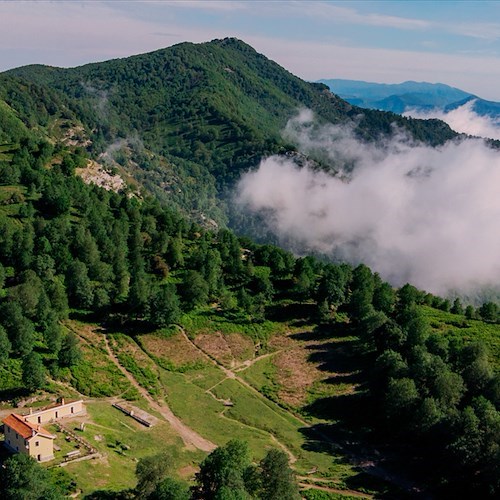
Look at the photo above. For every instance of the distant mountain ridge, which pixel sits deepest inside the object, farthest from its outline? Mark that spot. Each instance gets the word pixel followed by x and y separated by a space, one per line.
pixel 400 97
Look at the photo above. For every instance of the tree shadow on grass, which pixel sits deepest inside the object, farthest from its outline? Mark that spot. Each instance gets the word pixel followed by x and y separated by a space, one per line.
pixel 348 437
pixel 291 312
pixel 374 482
pixel 348 409
pixel 335 357
pixel 110 495
pixel 326 331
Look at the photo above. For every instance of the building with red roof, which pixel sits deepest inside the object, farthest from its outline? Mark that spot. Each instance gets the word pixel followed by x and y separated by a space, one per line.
pixel 25 434
pixel 22 436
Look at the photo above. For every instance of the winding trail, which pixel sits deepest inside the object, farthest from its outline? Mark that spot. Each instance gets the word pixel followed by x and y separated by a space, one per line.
pixel 367 466
pixel 246 364
pixel 230 374
pixel 188 435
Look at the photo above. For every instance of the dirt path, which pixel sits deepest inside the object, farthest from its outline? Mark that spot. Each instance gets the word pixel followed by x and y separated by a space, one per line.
pixel 230 374
pixel 188 435
pixel 249 362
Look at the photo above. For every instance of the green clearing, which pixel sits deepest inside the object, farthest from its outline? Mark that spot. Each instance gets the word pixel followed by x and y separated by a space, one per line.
pixel 261 375
pixel 456 325
pixel 122 441
pixel 206 321
pixel 95 374
pixel 200 411
pixel 206 377
pixel 252 418
pixel 136 362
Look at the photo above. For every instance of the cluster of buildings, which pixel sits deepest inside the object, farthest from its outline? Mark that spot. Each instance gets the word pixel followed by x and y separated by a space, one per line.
pixel 26 434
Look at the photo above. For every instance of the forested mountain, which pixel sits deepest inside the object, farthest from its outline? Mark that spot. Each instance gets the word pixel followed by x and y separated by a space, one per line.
pixel 400 97
pixel 183 123
pixel 69 249
pixel 191 117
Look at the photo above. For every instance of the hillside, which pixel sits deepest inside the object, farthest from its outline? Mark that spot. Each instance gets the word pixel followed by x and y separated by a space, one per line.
pixel 113 298
pixel 191 117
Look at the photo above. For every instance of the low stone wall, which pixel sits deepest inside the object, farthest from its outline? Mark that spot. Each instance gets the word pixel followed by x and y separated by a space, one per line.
pixel 133 414
pixel 79 459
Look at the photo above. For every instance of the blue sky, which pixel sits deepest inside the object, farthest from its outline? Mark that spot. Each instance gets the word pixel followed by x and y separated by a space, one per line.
pixel 452 42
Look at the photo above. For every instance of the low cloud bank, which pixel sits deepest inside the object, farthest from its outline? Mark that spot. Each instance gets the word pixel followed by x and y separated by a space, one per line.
pixel 464 120
pixel 411 212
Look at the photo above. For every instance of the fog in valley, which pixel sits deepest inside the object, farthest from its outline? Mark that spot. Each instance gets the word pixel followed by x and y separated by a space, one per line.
pixel 413 213
pixel 463 119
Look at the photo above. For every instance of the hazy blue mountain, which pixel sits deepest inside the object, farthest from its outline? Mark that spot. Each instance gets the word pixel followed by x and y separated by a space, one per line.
pixel 400 97
pixel 480 106
pixel 410 93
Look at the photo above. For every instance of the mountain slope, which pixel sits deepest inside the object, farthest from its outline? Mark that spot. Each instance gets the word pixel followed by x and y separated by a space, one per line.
pixel 187 120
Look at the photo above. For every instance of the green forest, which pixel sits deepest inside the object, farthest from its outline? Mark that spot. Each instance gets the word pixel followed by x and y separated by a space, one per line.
pixel 138 261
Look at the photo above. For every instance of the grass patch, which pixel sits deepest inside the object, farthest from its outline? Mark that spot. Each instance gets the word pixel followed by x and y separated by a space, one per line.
pixel 95 374
pixel 262 376
pixel 204 414
pixel 206 377
pixel 122 441
pixel 133 359
pixel 470 330
pixel 257 412
pixel 207 321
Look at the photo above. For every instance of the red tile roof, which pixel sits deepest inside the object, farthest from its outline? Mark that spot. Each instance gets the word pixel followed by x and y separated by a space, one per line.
pixel 23 428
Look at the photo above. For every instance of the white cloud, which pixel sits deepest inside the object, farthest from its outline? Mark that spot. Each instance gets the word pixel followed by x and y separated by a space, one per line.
pixel 463 119
pixel 482 31
pixel 211 5
pixel 413 213
pixel 340 14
